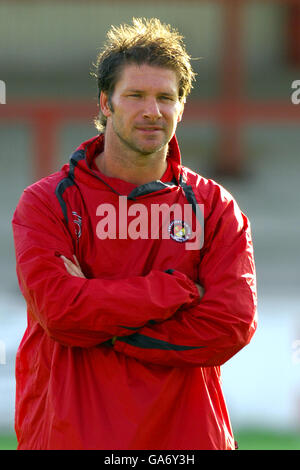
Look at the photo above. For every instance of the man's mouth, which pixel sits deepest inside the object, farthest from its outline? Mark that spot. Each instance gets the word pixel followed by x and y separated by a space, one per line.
pixel 149 129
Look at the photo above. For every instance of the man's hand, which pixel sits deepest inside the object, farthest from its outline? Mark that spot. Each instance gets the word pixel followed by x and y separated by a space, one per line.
pixel 73 268
pixel 200 290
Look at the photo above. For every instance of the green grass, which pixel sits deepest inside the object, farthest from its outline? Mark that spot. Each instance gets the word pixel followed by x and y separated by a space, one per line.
pixel 247 439
pixel 8 442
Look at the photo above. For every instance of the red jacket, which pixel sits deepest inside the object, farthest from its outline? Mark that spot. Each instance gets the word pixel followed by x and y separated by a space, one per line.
pixel 158 386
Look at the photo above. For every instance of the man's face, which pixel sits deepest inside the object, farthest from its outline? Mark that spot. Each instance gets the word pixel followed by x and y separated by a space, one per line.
pixel 145 108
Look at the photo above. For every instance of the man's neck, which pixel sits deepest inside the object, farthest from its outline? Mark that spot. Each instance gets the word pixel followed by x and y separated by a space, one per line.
pixel 131 166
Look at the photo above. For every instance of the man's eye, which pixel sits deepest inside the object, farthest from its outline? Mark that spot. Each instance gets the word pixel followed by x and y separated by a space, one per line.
pixel 166 98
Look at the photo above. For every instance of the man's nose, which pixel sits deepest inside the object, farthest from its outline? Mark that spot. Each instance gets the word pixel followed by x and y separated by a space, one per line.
pixel 151 109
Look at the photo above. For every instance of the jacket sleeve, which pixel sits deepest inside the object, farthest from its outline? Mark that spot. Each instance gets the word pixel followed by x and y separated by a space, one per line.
pixel 84 312
pixel 211 332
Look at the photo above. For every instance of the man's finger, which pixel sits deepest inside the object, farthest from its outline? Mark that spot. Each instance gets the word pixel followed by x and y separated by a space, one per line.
pixel 76 262
pixel 68 264
pixel 200 290
pixel 73 269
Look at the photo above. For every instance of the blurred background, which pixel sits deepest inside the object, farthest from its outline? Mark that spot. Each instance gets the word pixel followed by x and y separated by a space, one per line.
pixel 240 128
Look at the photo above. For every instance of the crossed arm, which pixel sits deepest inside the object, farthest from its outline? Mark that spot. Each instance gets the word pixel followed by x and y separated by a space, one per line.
pixel 206 334
pixel 75 270
pixel 180 323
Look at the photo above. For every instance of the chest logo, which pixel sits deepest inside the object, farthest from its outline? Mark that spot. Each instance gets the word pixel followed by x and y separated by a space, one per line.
pixel 78 222
pixel 180 231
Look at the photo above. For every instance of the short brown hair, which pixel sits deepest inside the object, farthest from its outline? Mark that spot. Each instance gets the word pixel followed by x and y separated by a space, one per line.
pixel 144 42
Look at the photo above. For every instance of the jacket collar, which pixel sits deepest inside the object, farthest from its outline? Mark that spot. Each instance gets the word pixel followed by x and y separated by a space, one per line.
pixel 81 166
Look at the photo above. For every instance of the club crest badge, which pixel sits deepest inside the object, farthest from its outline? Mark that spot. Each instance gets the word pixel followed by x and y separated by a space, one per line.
pixel 180 231
pixel 78 222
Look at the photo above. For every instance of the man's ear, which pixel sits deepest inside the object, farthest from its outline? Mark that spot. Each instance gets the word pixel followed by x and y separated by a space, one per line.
pixel 181 109
pixel 105 104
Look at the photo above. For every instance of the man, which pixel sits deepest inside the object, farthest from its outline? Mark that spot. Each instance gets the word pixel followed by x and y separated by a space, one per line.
pixel 138 273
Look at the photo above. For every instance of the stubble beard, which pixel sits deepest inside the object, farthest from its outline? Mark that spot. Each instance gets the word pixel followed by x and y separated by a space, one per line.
pixel 135 147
